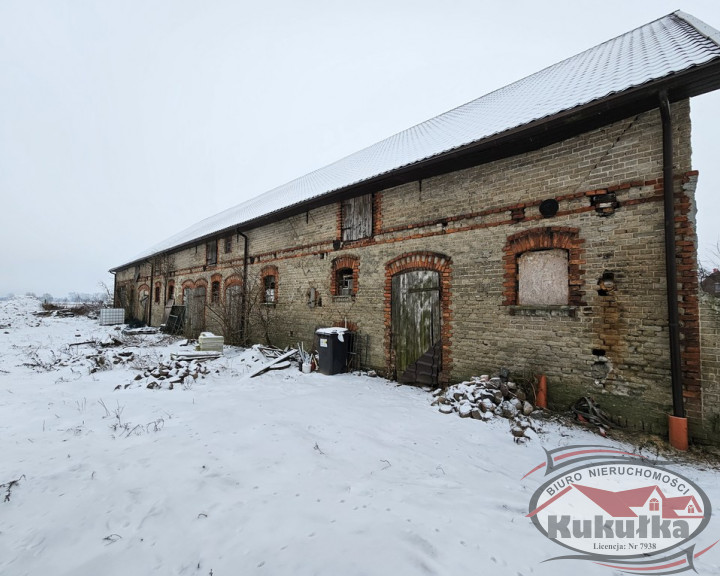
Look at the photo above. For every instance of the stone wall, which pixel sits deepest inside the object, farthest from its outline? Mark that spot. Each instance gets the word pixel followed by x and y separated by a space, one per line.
pixel 610 342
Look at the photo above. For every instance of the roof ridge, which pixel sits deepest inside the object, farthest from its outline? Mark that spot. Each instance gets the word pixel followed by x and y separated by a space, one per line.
pixel 704 29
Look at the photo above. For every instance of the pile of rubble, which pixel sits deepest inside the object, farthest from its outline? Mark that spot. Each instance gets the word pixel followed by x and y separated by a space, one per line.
pixel 106 360
pixel 168 374
pixel 485 398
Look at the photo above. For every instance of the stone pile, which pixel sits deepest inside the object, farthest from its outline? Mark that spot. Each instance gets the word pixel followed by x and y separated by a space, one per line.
pixel 485 398
pixel 105 361
pixel 170 373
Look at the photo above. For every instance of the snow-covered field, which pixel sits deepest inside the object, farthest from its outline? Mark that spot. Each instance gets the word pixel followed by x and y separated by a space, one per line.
pixel 283 474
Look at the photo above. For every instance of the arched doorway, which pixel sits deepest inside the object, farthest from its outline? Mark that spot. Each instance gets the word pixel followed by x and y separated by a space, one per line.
pixel 417 288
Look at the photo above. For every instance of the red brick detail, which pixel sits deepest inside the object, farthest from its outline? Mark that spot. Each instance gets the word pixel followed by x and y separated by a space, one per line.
pixel 233 280
pixel 216 277
pixel 377 213
pixel 407 262
pixel 544 239
pixel 352 262
pixel 338 222
pixel 688 287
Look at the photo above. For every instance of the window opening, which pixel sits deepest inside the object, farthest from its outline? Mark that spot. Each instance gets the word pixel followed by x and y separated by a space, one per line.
pixel 211 253
pixel 269 282
pixel 345 282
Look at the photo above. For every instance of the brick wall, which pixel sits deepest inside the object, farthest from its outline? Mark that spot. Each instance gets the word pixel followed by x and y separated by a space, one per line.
pixel 707 429
pixel 610 342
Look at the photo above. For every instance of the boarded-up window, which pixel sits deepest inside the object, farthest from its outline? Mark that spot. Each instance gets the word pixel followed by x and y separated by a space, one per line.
pixel 543 278
pixel 357 218
pixel 211 251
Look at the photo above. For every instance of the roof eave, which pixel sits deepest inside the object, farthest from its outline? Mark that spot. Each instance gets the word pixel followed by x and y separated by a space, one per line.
pixel 531 136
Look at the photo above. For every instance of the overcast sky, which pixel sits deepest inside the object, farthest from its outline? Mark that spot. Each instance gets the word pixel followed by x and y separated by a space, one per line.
pixel 124 121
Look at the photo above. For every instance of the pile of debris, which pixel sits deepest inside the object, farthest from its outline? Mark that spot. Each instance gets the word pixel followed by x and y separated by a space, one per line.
pixel 168 374
pixel 485 398
pixel 106 360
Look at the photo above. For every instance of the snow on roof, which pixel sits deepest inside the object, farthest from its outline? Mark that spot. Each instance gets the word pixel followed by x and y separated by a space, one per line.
pixel 661 48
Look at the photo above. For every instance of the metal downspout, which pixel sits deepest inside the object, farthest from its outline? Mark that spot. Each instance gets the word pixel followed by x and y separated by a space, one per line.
pixel 243 302
pixel 670 263
pixel 151 294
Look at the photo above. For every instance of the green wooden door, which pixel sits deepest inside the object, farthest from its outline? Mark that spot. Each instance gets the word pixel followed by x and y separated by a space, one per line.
pixel 416 326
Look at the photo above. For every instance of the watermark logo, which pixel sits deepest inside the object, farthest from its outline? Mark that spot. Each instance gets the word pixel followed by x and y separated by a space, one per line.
pixel 621 511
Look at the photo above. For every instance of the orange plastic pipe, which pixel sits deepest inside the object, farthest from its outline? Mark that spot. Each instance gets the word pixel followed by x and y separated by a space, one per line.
pixel 678 430
pixel 541 396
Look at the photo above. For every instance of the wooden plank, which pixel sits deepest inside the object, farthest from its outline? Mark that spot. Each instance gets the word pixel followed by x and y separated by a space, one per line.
pixel 267 365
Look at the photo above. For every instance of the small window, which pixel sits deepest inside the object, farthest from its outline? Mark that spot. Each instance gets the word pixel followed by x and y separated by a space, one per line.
pixel 654 505
pixel 211 253
pixel 171 292
pixel 215 292
pixel 269 283
pixel 228 245
pixel 356 218
pixel 157 293
pixel 691 509
pixel 543 278
pixel 345 282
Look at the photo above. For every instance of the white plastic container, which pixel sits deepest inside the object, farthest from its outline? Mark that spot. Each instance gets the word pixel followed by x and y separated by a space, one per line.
pixel 209 342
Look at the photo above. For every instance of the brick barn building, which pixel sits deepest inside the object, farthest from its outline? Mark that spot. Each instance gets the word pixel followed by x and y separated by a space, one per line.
pixel 526 229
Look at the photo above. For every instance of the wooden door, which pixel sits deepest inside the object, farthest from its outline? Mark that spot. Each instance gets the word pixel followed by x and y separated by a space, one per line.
pixel 416 326
pixel 194 311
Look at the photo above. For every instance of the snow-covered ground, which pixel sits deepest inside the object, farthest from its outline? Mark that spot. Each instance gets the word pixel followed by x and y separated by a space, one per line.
pixel 283 474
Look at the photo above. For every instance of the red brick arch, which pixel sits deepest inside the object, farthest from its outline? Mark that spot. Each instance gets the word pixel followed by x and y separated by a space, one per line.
pixel 422 260
pixel 545 238
pixel 233 280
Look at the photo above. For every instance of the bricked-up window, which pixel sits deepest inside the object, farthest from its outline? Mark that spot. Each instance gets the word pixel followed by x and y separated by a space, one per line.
pixel 215 292
pixel 211 253
pixel 528 272
pixel 228 245
pixel 543 278
pixel 356 218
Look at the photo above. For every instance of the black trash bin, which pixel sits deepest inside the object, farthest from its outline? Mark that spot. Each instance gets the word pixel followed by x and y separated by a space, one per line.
pixel 333 349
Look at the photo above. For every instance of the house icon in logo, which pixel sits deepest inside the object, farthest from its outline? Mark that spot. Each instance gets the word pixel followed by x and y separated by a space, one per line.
pixel 647 501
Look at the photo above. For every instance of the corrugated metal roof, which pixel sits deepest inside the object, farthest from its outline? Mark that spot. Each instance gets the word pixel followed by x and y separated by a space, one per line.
pixel 654 51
